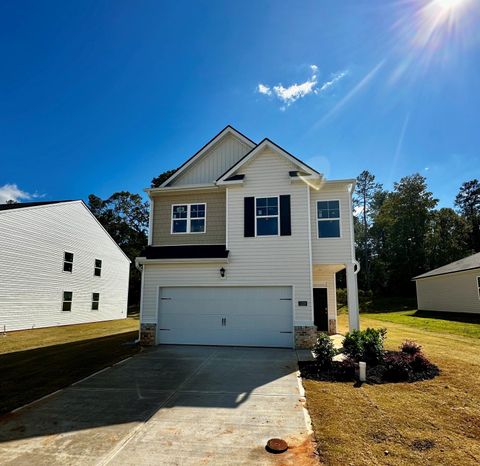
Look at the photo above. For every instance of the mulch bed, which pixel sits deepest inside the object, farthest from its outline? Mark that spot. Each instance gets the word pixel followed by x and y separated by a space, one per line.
pixel 410 370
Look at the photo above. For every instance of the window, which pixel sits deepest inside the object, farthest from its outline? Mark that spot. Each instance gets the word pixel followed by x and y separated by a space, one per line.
pixel 266 216
pixel 328 219
pixel 98 268
pixel 95 301
pixel 188 218
pixel 68 261
pixel 478 287
pixel 67 301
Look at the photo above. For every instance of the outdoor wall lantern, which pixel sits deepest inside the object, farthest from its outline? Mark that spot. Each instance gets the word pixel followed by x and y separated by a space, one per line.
pixel 222 272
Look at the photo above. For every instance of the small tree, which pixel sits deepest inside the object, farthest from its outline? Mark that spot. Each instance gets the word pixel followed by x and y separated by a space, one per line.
pixel 365 191
pixel 160 179
pixel 468 204
pixel 125 216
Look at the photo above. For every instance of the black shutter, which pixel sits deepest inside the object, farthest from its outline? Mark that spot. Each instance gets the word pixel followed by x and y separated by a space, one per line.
pixel 249 216
pixel 285 220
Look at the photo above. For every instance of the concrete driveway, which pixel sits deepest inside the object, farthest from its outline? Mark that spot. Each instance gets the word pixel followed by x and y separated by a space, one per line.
pixel 170 405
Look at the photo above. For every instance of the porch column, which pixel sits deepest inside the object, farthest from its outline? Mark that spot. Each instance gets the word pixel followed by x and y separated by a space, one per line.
pixel 352 298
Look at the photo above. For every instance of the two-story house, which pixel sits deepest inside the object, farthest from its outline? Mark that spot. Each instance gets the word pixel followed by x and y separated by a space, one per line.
pixel 58 266
pixel 244 243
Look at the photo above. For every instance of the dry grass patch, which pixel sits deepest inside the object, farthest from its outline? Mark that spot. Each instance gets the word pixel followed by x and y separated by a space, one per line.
pixel 34 363
pixel 430 422
pixel 41 337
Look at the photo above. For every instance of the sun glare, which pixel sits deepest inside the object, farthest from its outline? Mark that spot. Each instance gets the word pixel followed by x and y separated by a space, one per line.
pixel 439 19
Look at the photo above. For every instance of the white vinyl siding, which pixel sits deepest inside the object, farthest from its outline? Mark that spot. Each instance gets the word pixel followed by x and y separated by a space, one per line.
pixel 214 163
pixel 453 292
pixel 337 250
pixel 274 260
pixel 32 281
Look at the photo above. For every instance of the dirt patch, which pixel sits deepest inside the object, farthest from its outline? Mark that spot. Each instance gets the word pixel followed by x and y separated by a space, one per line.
pixel 422 444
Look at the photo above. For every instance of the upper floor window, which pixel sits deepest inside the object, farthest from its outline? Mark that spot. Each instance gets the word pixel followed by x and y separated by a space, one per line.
pixel 67 301
pixel 266 216
pixel 98 268
pixel 328 219
pixel 189 218
pixel 68 261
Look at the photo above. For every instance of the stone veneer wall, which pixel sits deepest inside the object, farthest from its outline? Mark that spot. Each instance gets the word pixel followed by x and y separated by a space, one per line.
pixel 148 334
pixel 305 337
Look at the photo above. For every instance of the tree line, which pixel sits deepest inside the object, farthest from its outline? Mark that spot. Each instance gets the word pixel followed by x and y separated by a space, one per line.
pixel 398 233
pixel 401 233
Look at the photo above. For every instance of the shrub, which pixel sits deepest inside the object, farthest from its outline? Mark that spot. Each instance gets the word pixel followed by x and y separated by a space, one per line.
pixel 419 363
pixel 365 345
pixel 324 350
pixel 344 371
pixel 397 367
pixel 410 347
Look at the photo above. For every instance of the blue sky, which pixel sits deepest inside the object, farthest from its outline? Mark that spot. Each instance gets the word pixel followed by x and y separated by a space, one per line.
pixel 97 97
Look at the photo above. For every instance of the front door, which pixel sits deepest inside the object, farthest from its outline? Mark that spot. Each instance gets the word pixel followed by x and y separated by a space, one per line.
pixel 320 309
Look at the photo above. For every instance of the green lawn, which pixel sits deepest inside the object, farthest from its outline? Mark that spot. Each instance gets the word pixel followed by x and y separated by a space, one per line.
pixel 34 363
pixel 453 324
pixel 435 422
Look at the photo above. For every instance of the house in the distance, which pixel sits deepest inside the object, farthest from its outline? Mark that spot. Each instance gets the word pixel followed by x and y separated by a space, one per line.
pixel 245 240
pixel 58 266
pixel 454 287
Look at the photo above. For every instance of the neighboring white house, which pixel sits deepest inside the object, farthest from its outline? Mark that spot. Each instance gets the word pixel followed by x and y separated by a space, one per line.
pixel 244 244
pixel 58 266
pixel 452 288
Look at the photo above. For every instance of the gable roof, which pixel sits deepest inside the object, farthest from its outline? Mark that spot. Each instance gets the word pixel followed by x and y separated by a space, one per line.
pixel 7 207
pixel 468 263
pixel 21 205
pixel 265 144
pixel 225 131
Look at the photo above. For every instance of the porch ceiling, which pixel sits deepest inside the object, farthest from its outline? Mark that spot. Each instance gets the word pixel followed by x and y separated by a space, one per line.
pixel 327 268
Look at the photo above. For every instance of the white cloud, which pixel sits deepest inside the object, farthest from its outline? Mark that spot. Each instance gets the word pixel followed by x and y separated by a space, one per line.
pixel 264 89
pixel 11 192
pixel 288 95
pixel 337 77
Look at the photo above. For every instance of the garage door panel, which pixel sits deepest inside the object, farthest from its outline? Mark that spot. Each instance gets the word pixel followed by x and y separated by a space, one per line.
pixel 250 316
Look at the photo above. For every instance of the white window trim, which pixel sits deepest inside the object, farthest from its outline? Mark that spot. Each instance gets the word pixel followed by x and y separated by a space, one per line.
pixel 93 301
pixel 68 262
pixel 326 219
pixel 95 267
pixel 267 216
pixel 63 300
pixel 189 219
pixel 477 284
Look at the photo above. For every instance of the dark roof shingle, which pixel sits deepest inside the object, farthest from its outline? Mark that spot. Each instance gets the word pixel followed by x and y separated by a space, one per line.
pixel 467 263
pixel 20 205
pixel 202 251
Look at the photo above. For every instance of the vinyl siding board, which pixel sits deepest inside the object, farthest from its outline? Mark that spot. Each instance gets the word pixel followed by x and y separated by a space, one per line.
pixel 215 227
pixel 32 280
pixel 455 292
pixel 279 260
pixel 216 161
pixel 253 261
pixel 332 250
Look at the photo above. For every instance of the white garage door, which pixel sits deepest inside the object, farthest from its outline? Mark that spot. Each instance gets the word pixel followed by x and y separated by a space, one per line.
pixel 239 316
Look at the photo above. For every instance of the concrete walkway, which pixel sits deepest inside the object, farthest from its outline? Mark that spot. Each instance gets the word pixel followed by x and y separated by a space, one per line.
pixel 169 405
